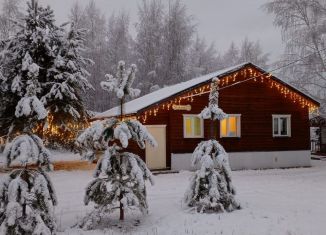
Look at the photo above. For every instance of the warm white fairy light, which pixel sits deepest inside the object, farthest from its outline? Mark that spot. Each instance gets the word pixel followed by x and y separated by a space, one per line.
pixel 228 81
pixel 52 131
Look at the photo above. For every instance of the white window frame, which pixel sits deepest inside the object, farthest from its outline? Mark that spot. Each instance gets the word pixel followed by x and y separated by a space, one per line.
pixel 278 116
pixel 193 126
pixel 238 135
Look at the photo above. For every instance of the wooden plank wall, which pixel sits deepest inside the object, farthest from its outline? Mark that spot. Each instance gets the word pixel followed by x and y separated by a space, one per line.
pixel 256 102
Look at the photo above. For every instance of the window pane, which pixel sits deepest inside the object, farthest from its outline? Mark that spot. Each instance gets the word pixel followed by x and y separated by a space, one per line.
pixel 223 127
pixel 284 129
pixel 197 126
pixel 232 126
pixel 188 127
pixel 275 125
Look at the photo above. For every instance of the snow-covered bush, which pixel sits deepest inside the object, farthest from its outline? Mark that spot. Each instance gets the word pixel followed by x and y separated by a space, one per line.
pixel 119 175
pixel 210 188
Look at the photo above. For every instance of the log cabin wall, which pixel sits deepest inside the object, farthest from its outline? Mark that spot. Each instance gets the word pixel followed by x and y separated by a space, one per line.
pixel 256 102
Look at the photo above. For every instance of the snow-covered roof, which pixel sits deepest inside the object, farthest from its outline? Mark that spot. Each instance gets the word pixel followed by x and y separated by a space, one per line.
pixel 142 102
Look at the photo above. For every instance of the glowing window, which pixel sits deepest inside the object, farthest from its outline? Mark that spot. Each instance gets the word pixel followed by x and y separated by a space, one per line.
pixel 281 125
pixel 193 126
pixel 231 126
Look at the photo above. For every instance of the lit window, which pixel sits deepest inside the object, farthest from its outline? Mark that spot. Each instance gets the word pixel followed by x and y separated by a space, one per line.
pixel 231 126
pixel 281 125
pixel 193 126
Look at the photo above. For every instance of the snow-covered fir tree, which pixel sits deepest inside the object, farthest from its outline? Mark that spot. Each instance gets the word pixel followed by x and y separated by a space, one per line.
pixel 29 54
pixel 42 50
pixel 68 81
pixel 119 176
pixel 211 189
pixel 27 197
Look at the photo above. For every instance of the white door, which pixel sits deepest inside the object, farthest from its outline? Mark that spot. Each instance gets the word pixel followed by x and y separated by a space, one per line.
pixel 156 157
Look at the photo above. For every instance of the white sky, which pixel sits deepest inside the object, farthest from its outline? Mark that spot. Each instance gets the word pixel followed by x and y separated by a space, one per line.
pixel 219 21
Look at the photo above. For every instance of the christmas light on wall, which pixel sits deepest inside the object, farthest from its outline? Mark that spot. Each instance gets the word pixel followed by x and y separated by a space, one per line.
pixel 247 74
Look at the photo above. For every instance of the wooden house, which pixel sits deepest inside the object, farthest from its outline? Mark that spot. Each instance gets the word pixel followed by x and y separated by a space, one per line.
pixel 267 127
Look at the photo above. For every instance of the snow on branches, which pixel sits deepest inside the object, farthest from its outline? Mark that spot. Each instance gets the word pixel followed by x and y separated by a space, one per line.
pixel 28 106
pixel 119 176
pixel 42 63
pixel 29 66
pixel 210 189
pixel 69 76
pixel 97 136
pixel 133 129
pixel 27 198
pixel 27 149
pixel 210 148
pixel 213 112
pixel 121 84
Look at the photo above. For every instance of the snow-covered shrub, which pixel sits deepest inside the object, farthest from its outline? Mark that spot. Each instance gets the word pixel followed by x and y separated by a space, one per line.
pixel 210 188
pixel 119 176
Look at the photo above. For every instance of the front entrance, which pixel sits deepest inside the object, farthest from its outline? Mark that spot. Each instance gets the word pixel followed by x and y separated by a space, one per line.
pixel 156 157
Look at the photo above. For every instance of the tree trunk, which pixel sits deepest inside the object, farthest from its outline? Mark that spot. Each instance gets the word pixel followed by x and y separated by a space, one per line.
pixel 121 108
pixel 212 134
pixel 122 214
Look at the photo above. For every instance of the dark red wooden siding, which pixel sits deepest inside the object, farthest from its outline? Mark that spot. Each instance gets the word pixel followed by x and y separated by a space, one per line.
pixel 256 102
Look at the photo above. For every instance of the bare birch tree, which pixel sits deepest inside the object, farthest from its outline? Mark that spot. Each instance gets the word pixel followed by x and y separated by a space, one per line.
pixel 303 25
pixel 10 12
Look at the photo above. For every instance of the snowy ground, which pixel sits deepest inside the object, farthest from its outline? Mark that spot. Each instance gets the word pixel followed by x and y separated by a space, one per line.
pixel 290 201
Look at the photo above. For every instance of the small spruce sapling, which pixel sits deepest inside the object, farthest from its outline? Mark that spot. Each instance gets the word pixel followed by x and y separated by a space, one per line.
pixel 119 176
pixel 211 188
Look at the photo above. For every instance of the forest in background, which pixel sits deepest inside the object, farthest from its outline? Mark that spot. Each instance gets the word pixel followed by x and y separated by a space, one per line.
pixel 167 47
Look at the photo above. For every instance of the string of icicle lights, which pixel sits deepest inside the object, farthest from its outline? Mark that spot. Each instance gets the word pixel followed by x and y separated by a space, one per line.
pixel 249 74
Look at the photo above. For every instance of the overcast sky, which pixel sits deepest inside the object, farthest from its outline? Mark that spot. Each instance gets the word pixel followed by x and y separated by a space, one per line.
pixel 219 21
